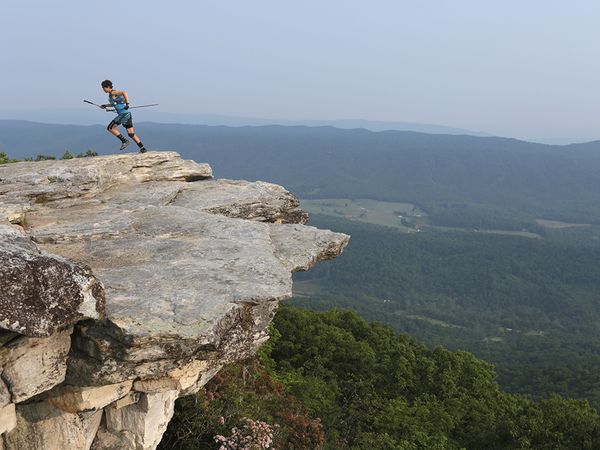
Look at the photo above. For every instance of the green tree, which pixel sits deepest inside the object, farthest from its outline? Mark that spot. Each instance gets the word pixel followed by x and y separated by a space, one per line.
pixel 67 155
pixel 557 423
pixel 4 158
pixel 89 153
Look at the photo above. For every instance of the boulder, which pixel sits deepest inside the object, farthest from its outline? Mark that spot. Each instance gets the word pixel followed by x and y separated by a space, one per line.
pixel 35 365
pixel 41 426
pixel 42 293
pixel 146 420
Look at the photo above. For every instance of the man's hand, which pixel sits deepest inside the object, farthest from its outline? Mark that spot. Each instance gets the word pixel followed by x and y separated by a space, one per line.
pixel 126 105
pixel 103 106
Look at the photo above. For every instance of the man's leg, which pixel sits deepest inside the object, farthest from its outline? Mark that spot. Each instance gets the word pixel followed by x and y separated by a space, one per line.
pixel 136 139
pixel 112 128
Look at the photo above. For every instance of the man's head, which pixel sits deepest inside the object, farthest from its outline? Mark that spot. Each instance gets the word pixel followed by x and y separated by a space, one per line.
pixel 107 85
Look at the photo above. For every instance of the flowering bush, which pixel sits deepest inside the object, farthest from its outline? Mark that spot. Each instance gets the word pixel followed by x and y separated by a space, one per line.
pixel 254 435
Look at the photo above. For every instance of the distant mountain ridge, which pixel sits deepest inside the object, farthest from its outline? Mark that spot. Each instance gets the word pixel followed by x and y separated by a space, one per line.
pixel 92 116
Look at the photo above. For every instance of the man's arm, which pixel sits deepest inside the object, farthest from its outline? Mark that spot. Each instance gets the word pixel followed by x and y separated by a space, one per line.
pixel 123 93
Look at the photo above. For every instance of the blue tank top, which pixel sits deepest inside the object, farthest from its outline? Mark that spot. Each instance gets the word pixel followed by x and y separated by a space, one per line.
pixel 118 103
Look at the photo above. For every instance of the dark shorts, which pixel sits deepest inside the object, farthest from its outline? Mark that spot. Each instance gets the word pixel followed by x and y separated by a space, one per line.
pixel 121 119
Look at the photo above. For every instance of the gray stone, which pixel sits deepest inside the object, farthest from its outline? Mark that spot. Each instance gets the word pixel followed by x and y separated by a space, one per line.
pixel 146 420
pixel 8 418
pixel 156 385
pixel 35 365
pixel 188 374
pixel 106 440
pixel 200 382
pixel 4 394
pixel 300 247
pixel 180 378
pixel 265 202
pixel 74 399
pixel 41 426
pixel 42 293
pixel 29 186
pixel 129 399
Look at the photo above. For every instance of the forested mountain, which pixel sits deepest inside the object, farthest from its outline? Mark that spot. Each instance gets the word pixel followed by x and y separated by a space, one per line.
pixel 481 182
pixel 530 306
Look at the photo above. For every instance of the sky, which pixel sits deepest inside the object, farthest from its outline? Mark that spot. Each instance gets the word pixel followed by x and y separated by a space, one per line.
pixel 526 68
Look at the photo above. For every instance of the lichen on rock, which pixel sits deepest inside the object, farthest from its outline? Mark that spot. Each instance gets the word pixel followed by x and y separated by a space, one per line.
pixel 41 293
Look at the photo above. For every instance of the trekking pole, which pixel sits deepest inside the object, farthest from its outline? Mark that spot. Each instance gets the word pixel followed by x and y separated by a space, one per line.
pixel 107 109
pixel 143 106
pixel 92 103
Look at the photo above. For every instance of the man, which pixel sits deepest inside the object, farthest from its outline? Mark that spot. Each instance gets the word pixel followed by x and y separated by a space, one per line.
pixel 119 100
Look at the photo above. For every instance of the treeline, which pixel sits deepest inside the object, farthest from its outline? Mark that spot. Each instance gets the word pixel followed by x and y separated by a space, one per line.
pixel 530 306
pixel 5 159
pixel 332 380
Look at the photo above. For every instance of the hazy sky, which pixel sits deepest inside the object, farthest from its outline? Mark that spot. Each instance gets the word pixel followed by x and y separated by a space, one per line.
pixel 526 68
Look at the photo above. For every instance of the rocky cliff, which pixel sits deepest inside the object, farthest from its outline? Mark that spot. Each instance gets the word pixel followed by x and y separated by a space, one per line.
pixel 128 281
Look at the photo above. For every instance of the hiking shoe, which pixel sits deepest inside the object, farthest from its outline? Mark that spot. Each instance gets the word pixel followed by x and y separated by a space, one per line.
pixel 124 145
pixel 143 150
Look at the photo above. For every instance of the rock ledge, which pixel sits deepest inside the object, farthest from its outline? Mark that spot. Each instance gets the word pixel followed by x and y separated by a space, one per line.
pixel 131 280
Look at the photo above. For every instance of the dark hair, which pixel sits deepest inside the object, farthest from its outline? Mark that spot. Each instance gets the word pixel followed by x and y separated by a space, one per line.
pixel 107 84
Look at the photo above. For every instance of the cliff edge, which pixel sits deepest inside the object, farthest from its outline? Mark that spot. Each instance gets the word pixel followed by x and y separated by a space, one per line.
pixel 127 281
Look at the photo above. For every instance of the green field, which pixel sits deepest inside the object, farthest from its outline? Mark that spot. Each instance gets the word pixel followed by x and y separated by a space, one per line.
pixel 555 224
pixel 404 216
pixel 527 234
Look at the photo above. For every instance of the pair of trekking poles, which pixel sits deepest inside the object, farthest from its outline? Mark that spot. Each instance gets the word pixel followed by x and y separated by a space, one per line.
pixel 112 109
